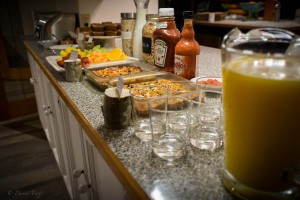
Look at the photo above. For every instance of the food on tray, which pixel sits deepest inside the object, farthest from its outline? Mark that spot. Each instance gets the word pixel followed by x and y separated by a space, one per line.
pixel 97 27
pixel 170 85
pixel 116 54
pixel 152 90
pixel 65 54
pixel 141 95
pixel 147 91
pixel 117 70
pixel 211 82
pixel 95 55
pixel 106 29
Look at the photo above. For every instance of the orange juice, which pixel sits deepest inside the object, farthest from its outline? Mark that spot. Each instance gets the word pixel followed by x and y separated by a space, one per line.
pixel 262 124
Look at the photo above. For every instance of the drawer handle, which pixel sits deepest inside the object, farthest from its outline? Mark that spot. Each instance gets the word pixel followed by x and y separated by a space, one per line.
pixel 45 107
pixel 84 188
pixel 77 173
pixel 32 81
pixel 47 112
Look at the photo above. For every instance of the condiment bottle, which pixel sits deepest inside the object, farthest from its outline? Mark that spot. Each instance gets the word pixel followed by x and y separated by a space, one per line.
pixel 148 42
pixel 127 23
pixel 165 38
pixel 141 11
pixel 187 50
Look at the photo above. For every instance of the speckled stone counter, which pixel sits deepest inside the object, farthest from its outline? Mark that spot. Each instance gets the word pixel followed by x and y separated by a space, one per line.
pixel 196 176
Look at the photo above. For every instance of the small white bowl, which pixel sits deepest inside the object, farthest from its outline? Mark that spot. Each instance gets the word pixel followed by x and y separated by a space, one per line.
pixel 203 82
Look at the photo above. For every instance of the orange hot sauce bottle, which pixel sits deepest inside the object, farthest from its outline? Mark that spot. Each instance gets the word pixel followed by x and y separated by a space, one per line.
pixel 165 38
pixel 187 50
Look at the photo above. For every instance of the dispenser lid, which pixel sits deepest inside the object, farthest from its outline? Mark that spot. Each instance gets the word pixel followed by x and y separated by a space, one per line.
pixel 128 15
pixel 166 12
pixel 152 16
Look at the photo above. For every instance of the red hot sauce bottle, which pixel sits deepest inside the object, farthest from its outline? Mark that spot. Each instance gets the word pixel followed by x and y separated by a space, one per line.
pixel 187 50
pixel 165 37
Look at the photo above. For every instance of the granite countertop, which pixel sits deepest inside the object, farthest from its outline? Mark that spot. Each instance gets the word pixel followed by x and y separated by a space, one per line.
pixel 196 176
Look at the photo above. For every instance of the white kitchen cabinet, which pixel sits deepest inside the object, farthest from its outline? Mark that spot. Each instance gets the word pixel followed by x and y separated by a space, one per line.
pixel 86 174
pixel 34 80
pixel 61 139
pixel 100 175
pixel 91 177
pixel 48 108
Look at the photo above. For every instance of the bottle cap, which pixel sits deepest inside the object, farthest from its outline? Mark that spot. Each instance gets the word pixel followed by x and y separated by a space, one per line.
pixel 166 12
pixel 188 15
pixel 128 15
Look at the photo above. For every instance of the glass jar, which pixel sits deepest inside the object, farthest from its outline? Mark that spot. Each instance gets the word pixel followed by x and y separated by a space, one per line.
pixel 141 11
pixel 148 43
pixel 127 23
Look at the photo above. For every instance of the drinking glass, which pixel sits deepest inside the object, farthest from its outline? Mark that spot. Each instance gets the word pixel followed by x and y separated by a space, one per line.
pixel 261 97
pixel 169 116
pixel 206 119
pixel 140 97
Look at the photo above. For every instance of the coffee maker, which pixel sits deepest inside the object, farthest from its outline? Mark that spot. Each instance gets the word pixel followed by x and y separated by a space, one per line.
pixel 58 24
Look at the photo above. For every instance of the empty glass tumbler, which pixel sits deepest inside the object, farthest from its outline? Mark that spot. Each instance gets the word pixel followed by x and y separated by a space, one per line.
pixel 206 130
pixel 170 121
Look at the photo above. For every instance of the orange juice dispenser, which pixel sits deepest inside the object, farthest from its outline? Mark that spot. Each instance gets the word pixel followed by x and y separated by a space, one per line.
pixel 261 101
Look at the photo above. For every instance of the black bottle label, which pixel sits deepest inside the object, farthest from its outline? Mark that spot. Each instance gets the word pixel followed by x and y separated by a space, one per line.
pixel 147 45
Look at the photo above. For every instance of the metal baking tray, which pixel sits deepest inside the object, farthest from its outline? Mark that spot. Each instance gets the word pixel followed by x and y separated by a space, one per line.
pixel 102 83
pixel 146 76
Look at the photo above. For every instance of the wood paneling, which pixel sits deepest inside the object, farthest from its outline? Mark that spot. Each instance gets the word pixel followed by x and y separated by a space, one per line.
pixel 22 107
pixel 269 10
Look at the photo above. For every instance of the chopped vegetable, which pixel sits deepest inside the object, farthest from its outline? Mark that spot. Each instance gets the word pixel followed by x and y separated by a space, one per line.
pixel 211 82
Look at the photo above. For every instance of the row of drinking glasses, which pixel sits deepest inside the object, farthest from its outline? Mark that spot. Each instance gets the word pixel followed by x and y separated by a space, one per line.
pixel 173 119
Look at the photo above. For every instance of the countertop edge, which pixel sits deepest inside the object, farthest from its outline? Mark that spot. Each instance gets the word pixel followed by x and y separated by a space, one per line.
pixel 242 25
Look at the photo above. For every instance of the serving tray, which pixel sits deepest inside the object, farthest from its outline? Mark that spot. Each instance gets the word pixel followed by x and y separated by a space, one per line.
pixel 147 76
pixel 102 83
pixel 52 60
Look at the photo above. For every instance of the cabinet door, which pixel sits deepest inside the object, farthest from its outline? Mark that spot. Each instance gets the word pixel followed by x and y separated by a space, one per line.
pixel 61 139
pixel 37 88
pixel 41 78
pixel 74 146
pixel 49 114
pixel 103 182
pixel 92 177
